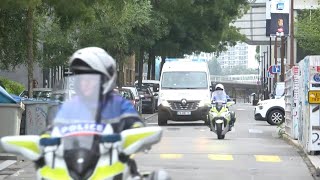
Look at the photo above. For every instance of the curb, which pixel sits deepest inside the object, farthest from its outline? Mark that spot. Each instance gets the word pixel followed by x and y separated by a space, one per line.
pixel 315 171
pixel 4 156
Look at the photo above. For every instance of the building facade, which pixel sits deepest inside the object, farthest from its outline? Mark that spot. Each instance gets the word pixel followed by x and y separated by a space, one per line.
pixel 241 54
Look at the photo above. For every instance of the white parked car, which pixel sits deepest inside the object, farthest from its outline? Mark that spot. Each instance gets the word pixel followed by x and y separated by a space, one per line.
pixel 271 110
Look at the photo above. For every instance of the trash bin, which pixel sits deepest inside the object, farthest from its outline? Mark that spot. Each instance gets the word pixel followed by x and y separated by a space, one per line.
pixel 10 119
pixel 35 121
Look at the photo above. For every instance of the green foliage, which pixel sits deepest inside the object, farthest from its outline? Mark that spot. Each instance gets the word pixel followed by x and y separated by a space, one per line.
pixel 11 87
pixel 198 26
pixel 214 67
pixel 122 27
pixel 307 30
pixel 257 55
pixel 12 38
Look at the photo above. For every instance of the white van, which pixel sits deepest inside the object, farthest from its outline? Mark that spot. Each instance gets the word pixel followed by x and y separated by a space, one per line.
pixel 184 91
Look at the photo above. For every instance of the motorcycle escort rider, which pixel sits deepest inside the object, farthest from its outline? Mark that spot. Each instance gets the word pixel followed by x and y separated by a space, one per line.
pixel 219 89
pixel 115 109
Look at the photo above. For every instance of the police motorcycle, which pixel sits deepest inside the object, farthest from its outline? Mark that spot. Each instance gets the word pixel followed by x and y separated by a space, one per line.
pixel 79 144
pixel 221 119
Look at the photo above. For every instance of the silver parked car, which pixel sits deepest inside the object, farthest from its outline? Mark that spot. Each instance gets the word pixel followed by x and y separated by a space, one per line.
pixel 137 98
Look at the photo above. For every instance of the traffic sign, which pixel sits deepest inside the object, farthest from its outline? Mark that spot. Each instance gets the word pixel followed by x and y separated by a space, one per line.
pixel 270 75
pixel 276 69
pixel 270 70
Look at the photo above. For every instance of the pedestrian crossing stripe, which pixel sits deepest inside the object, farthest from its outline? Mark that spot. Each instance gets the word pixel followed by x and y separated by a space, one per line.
pixel 267 158
pixel 171 156
pixel 220 157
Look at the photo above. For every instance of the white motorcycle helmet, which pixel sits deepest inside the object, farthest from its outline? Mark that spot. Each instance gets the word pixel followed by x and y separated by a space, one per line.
pixel 219 87
pixel 95 60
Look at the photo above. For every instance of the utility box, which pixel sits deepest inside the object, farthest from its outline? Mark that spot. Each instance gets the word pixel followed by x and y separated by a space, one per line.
pixel 309 102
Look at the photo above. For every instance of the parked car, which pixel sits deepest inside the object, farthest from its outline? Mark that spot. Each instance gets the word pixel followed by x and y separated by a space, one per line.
pixel 137 98
pixel 38 93
pixel 154 86
pixel 127 94
pixel 148 100
pixel 271 110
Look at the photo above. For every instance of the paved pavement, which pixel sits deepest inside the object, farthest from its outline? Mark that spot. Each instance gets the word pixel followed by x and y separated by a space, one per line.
pixel 253 151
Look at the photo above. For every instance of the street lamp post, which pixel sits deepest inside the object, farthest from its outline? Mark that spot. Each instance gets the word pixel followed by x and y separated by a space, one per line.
pixel 264 75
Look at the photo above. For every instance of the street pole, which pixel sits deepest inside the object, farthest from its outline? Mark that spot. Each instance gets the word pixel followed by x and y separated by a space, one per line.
pixel 282 59
pixel 275 59
pixel 292 34
pixel 264 75
pixel 270 62
pixel 258 85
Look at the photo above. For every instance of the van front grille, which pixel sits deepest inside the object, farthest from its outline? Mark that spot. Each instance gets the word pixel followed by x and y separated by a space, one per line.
pixel 177 105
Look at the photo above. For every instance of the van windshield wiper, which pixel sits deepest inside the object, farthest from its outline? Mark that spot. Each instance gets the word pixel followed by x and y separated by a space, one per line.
pixel 170 88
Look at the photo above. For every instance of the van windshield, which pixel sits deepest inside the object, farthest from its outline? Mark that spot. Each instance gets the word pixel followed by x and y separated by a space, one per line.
pixel 184 80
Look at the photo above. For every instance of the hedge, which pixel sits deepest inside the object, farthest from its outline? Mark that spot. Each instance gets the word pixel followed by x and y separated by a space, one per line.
pixel 12 87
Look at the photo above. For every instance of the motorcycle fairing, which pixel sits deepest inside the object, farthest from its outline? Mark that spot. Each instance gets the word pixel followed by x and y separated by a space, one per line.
pixel 27 146
pixel 135 140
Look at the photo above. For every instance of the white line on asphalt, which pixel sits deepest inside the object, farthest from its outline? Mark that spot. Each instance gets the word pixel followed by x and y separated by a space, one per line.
pixel 152 123
pixel 240 109
pixel 255 131
pixel 148 117
pixel 6 164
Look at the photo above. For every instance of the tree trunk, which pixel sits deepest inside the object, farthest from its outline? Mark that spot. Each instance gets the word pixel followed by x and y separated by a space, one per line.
pixel 149 66
pixel 141 55
pixel 121 74
pixel 30 50
pixel 153 64
pixel 163 60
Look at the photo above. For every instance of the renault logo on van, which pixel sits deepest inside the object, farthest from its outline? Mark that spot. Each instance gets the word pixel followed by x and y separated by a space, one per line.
pixel 184 102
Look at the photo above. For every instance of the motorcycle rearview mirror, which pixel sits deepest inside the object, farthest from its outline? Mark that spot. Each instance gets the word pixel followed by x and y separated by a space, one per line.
pixel 50 141
pixel 230 103
pixel 138 139
pixel 25 145
pixel 111 138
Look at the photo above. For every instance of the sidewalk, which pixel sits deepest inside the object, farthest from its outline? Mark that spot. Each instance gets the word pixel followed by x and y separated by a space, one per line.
pixel 312 161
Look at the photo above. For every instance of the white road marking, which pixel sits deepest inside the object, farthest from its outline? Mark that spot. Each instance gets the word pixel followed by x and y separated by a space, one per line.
pixel 6 164
pixel 255 131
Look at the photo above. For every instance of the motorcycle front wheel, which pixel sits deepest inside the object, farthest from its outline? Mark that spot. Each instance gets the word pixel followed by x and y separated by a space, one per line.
pixel 219 131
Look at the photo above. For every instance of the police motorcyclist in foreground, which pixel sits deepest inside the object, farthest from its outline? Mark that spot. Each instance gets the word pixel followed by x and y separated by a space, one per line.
pixel 115 109
pixel 220 89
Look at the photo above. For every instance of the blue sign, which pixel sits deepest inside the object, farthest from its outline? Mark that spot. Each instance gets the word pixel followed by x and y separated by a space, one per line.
pixel 280 6
pixel 276 69
pixel 316 77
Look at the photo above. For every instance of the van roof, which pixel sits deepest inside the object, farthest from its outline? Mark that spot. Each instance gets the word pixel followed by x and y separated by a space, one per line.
pixel 149 81
pixel 185 66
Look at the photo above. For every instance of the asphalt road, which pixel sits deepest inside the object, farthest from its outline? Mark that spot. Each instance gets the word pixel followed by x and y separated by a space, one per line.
pixel 252 151
pixel 189 150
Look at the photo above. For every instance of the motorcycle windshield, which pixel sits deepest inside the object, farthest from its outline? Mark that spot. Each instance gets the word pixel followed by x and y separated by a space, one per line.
pixel 79 98
pixel 220 96
pixel 75 115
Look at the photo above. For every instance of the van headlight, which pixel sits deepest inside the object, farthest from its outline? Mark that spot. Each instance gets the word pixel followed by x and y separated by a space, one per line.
pixel 204 103
pixel 165 103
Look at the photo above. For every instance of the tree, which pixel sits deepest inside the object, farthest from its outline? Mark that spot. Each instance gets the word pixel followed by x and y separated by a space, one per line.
pixel 71 8
pixel 307 30
pixel 214 67
pixel 198 26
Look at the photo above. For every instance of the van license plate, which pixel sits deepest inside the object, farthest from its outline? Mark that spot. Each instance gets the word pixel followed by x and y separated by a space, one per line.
pixel 184 113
